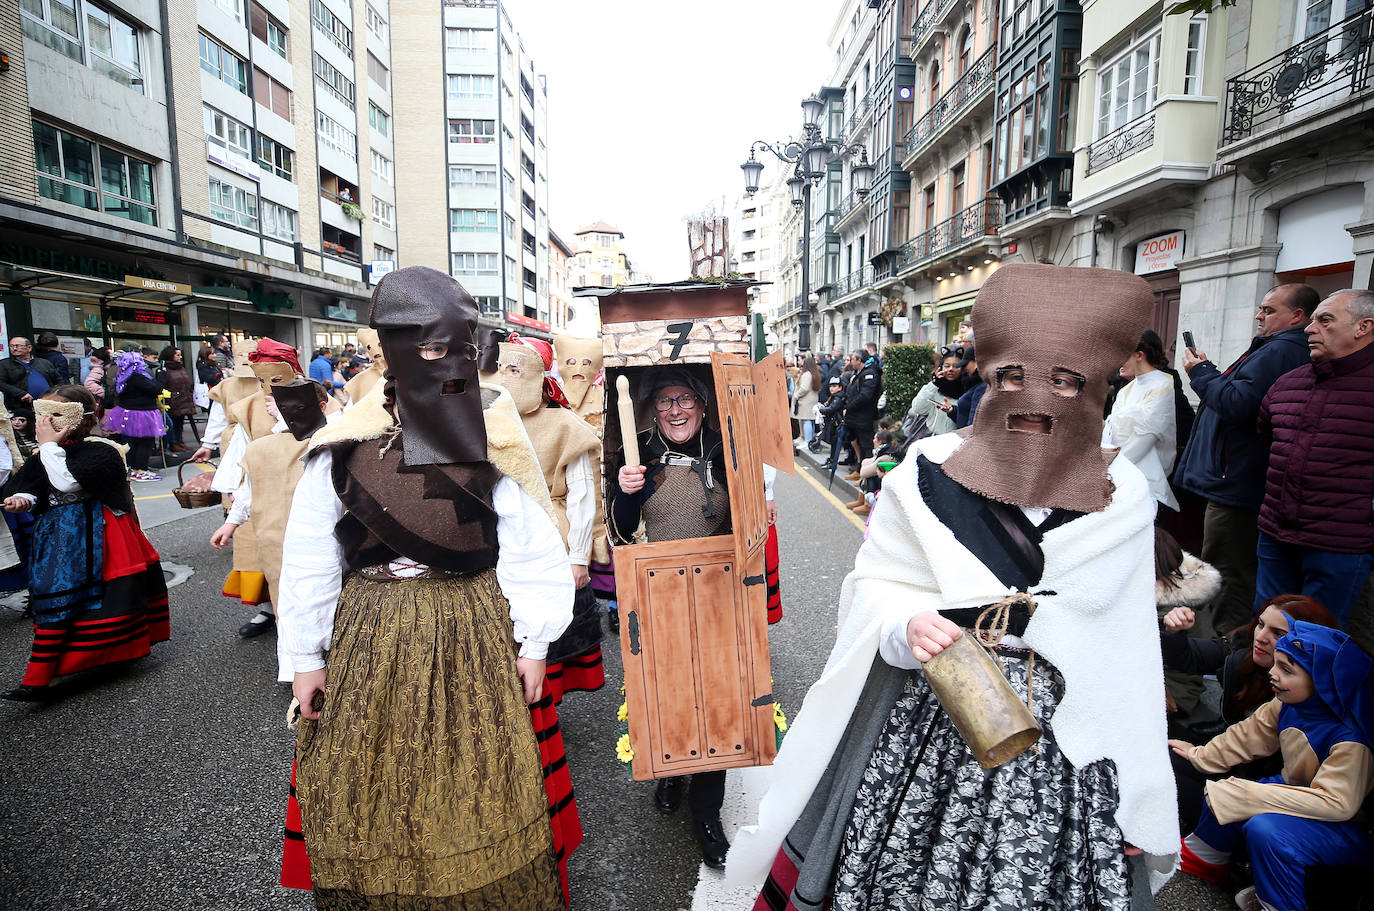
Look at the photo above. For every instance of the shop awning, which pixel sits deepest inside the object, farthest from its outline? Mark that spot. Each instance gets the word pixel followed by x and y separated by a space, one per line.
pixel 134 289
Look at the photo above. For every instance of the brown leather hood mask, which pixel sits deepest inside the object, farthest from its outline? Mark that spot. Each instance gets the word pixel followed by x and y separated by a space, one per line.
pixel 425 321
pixel 1049 338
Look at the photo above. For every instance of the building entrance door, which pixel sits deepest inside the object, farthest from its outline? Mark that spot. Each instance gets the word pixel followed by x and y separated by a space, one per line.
pixel 1165 319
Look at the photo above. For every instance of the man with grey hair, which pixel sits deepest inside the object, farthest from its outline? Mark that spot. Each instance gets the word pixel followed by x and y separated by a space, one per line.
pixel 24 377
pixel 1316 527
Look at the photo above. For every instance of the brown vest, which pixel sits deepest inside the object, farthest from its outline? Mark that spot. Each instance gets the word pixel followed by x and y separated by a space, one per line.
pixel 438 515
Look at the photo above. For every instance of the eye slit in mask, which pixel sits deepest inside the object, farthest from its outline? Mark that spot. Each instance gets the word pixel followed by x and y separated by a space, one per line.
pixel 453 387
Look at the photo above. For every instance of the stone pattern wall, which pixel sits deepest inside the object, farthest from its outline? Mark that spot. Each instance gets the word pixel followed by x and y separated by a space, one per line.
pixel 647 342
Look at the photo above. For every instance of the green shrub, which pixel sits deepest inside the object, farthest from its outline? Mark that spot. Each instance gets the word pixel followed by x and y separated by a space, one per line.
pixel 906 368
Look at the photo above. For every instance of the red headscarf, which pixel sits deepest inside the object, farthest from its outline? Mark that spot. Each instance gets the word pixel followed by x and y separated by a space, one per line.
pixel 275 352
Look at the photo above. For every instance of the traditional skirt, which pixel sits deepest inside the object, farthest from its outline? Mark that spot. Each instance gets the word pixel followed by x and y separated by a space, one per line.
pixel 603 579
pixel 96 590
pixel 20 526
pixel 926 829
pixel 420 786
pixel 574 661
pixel 134 423
pixel 772 563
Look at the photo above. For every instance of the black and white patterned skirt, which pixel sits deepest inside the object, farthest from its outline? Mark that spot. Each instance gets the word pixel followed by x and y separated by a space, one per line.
pixel 931 831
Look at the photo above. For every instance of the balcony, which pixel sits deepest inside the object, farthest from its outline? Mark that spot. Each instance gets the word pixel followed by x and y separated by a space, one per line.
pixel 968 95
pixel 933 12
pixel 1121 144
pixel 848 210
pixel 858 117
pixel 1318 83
pixel 852 284
pixel 965 230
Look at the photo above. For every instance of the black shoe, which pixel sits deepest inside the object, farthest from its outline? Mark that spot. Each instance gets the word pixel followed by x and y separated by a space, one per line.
pixel 711 838
pixel 668 794
pixel 613 620
pixel 256 626
pixel 26 693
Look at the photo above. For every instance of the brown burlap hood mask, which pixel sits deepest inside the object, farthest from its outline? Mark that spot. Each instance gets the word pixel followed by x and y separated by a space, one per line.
pixel 521 370
pixel 1048 339
pixel 426 321
pixel 579 362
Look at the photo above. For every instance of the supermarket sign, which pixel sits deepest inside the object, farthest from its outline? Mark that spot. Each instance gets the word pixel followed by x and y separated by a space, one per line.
pixel 1158 254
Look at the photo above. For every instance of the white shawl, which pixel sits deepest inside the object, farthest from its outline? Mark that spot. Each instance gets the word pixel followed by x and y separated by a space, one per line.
pixel 1099 630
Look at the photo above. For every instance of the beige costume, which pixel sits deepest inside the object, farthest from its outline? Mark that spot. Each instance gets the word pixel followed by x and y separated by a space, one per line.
pixel 361 384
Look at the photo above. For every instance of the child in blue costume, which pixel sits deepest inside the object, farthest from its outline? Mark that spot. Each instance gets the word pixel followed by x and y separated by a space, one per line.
pixel 1323 723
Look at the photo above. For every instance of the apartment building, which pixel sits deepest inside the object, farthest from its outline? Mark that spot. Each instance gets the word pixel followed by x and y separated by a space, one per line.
pixel 157 196
pixel 473 119
pixel 560 293
pixel 597 259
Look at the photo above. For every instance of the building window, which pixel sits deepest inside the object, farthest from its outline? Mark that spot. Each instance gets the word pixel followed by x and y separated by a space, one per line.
pixel 278 222
pixel 508 186
pixel 478 132
pixel 376 23
pixel 384 213
pixel 956 188
pixel 268 30
pixel 225 133
pixel 332 26
pixel 1193 60
pixel 271 94
pixel 478 220
pixel 382 254
pixel 476 264
pixel 223 64
pixel 1127 85
pixel 378 73
pixel 471 176
pixel 469 86
pixel 481 40
pixel 336 83
pixel 335 136
pixel 510 227
pixel 606 240
pixel 379 120
pixel 232 8
pixel 275 158
pixel 67 168
pixel 234 205
pixel 108 43
pixel 489 306
pixel 930 206
pixel 381 166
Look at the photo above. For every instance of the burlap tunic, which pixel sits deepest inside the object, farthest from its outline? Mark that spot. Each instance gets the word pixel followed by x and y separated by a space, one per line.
pixel 273 466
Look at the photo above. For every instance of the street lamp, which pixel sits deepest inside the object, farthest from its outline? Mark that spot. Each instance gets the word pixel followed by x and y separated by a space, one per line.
pixel 808 157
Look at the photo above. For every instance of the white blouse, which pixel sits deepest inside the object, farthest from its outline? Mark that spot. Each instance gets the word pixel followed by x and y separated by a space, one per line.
pixel 581 508
pixel 1144 425
pixel 532 568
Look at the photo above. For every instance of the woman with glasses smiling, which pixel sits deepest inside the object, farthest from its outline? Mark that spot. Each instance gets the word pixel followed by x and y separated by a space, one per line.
pixel 678 492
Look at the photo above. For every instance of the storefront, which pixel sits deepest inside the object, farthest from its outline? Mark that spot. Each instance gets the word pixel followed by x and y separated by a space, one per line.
pixel 1156 261
pixel 337 328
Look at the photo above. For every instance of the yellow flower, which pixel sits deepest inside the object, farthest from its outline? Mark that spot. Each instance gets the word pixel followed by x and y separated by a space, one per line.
pixel 622 749
pixel 623 712
pixel 779 718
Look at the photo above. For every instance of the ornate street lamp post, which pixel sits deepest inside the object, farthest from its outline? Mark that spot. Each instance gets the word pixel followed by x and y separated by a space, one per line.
pixel 808 157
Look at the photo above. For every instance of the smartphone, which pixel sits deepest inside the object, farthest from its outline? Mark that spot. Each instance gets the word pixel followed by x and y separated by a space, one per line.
pixel 1188 341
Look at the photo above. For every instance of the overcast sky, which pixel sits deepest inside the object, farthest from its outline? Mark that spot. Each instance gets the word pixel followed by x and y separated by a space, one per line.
pixel 652 106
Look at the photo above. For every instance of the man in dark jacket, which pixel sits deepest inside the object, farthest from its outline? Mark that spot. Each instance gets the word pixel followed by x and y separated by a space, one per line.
pixel 1316 524
pixel 861 405
pixel 1225 459
pixel 47 350
pixel 24 377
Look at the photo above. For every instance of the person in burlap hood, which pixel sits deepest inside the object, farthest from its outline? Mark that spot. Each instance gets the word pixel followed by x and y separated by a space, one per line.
pixel 423 578
pixel 879 802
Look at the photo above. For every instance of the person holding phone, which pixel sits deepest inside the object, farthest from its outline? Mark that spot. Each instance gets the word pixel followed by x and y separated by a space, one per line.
pixel 1225 459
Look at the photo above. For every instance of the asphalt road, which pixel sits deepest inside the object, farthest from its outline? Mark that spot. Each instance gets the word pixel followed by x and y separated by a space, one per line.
pixel 163 786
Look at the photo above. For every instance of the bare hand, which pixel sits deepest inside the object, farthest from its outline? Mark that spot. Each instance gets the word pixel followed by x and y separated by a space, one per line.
pixel 580 575
pixel 16 504
pixel 1179 619
pixel 223 535
pixel 531 671
pixel 26 398
pixel 1182 748
pixel 631 479
pixel 45 432
pixel 271 406
pixel 929 634
pixel 1130 850
pixel 307 685
pixel 772 512
pixel 201 454
pixel 1192 357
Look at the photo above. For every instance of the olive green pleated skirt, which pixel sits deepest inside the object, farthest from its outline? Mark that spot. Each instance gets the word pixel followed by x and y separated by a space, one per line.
pixel 422 778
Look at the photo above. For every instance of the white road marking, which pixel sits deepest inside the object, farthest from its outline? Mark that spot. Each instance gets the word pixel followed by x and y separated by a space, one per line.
pixel 744 789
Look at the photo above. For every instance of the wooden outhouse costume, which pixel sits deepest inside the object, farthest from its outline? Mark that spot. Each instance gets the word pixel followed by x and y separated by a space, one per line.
pixel 690 538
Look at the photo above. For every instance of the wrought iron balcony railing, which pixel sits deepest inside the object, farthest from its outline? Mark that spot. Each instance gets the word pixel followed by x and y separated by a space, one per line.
pixel 853 283
pixel 857 115
pixel 1330 66
pixel 982 219
pixel 979 77
pixel 849 205
pixel 926 19
pixel 1122 143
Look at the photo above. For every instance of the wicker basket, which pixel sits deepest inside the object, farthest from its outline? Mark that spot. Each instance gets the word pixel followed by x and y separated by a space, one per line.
pixel 197 493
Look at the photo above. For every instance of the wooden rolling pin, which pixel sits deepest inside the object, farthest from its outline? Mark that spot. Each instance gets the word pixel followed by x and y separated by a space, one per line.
pixel 628 438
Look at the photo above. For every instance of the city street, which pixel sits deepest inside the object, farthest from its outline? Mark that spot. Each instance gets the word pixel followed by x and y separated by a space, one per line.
pixel 164 786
